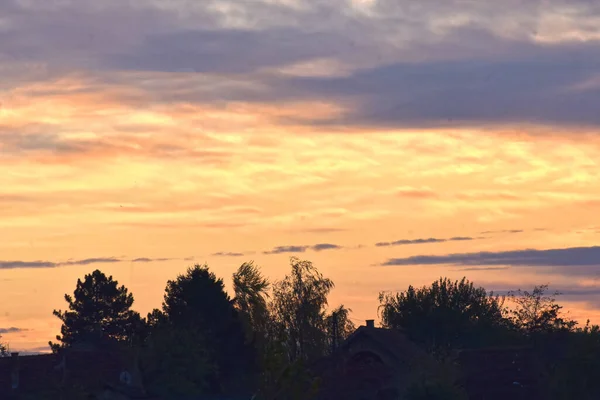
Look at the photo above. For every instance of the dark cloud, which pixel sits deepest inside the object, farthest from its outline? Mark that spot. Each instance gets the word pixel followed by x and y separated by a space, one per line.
pixel 225 51
pixel 11 330
pixel 146 260
pixel 482 269
pixel 423 241
pixel 287 249
pixel 573 261
pixel 504 231
pixel 534 87
pixel 89 261
pixel 228 254
pixel 325 246
pixel 407 65
pixel 85 261
pixel 302 249
pixel 26 264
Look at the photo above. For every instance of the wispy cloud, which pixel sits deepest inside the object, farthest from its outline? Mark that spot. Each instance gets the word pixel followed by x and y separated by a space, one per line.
pixel 11 330
pixel 423 241
pixel 302 249
pixel 287 249
pixel 228 254
pixel 482 269
pixel 85 261
pixel 146 260
pixel 568 257
pixel 325 246
pixel 503 231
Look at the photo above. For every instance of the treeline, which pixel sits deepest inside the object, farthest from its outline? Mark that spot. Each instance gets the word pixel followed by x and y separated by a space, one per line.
pixel 263 339
pixel 203 341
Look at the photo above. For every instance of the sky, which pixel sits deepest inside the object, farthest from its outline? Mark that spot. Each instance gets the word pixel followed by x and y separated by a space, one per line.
pixel 389 142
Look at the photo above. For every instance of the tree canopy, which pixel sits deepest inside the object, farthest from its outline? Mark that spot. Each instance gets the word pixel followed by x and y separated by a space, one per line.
pixel 251 295
pixel 266 338
pixel 98 311
pixel 448 314
pixel 298 310
pixel 197 302
pixel 538 312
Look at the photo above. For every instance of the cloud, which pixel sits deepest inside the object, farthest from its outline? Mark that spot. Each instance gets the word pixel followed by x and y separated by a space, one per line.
pixel 325 246
pixel 504 231
pixel 287 249
pixel 302 249
pixel 483 269
pixel 422 241
pixel 85 261
pixel 26 264
pixel 146 260
pixel 573 260
pixel 11 330
pixel 406 66
pixel 88 261
pixel 228 254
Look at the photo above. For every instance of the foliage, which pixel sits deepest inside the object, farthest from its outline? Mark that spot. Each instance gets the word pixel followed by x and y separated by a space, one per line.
pixel 3 349
pixel 99 311
pixel 536 312
pixel 344 326
pixel 445 315
pixel 295 382
pixel 197 302
pixel 251 293
pixel 176 363
pixel 298 311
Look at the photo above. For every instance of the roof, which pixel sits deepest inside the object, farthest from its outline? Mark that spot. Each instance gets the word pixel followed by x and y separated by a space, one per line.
pixel 393 341
pixel 44 372
pixel 370 360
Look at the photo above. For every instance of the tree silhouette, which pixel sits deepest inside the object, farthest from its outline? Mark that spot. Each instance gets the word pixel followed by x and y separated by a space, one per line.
pixel 3 349
pixel 176 362
pixel 538 312
pixel 445 315
pixel 99 311
pixel 338 325
pixel 251 293
pixel 298 310
pixel 197 303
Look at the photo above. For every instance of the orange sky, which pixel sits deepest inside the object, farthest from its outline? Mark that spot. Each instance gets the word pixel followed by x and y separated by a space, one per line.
pixel 111 162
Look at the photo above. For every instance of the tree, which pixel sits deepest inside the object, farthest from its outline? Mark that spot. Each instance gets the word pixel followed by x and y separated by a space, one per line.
pixel 445 315
pixel 338 325
pixel 3 349
pixel 99 311
pixel 536 312
pixel 298 311
pixel 250 300
pixel 176 362
pixel 197 303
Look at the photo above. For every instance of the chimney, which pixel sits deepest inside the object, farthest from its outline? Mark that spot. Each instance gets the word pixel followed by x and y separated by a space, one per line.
pixel 14 373
pixel 370 323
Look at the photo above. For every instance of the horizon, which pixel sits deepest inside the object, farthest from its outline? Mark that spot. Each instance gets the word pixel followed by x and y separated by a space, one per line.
pixel 387 142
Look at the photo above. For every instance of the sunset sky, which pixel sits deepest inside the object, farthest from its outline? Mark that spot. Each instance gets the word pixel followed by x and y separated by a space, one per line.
pixel 389 142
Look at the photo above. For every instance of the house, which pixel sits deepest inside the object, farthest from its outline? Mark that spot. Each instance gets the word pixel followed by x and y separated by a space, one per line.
pixel 378 363
pixel 372 363
pixel 77 373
